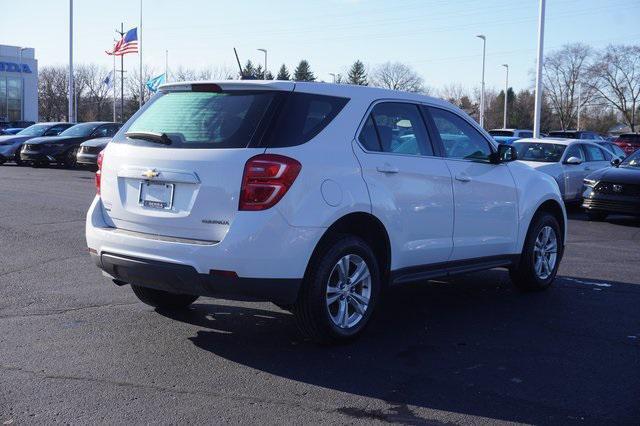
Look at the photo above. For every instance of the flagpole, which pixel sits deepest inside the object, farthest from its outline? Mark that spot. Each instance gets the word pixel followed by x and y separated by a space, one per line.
pixel 140 54
pixel 121 77
pixel 70 117
pixel 166 66
pixel 113 87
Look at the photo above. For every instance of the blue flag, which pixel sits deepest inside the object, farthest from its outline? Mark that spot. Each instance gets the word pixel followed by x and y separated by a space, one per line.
pixel 155 82
pixel 108 80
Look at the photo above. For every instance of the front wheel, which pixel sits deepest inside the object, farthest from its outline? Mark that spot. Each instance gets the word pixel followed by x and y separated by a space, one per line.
pixel 71 158
pixel 162 299
pixel 540 256
pixel 339 292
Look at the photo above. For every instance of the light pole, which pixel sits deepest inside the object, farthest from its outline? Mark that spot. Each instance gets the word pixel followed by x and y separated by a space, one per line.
pixel 484 55
pixel 264 73
pixel 71 118
pixel 20 49
pixel 579 103
pixel 538 103
pixel 506 90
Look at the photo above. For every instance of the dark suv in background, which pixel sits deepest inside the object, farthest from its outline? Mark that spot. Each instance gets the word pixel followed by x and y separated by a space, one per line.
pixel 63 149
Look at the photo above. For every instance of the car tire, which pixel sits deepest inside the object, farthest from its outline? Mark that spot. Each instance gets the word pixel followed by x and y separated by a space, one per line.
pixel 596 216
pixel 162 299
pixel 70 158
pixel 339 292
pixel 17 160
pixel 541 254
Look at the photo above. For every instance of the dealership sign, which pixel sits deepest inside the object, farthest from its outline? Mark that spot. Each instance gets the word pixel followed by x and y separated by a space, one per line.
pixel 13 67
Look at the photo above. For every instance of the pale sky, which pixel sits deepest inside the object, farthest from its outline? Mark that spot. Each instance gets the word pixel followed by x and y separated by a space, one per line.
pixel 436 37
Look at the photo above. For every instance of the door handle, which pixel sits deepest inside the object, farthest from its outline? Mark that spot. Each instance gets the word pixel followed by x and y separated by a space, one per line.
pixel 463 178
pixel 387 168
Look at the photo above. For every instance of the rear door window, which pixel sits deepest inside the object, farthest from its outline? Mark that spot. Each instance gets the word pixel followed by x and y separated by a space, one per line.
pixel 204 119
pixel 399 129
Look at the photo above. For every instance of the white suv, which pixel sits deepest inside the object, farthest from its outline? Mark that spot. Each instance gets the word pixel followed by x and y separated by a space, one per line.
pixel 315 197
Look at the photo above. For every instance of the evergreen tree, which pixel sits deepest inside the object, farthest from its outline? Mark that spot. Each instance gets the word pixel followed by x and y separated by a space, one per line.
pixel 249 71
pixel 258 73
pixel 283 74
pixel 357 74
pixel 303 72
pixel 269 75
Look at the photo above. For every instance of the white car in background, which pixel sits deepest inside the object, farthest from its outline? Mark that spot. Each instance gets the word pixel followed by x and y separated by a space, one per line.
pixel 313 196
pixel 568 161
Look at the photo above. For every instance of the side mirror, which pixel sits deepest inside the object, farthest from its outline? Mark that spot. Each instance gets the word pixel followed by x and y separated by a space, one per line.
pixel 573 161
pixel 616 162
pixel 504 154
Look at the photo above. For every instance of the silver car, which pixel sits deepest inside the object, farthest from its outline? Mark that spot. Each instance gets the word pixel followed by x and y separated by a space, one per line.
pixel 569 161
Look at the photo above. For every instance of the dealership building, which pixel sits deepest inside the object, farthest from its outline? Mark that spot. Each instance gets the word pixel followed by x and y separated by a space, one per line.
pixel 18 84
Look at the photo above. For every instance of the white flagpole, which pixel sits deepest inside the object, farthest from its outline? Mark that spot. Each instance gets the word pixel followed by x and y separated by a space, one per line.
pixel 140 54
pixel 113 86
pixel 166 66
pixel 71 118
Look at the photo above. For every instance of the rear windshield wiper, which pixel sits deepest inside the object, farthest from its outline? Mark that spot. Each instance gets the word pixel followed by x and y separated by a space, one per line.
pixel 150 136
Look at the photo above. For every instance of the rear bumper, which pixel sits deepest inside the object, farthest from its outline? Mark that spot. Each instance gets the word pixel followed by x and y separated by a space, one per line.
pixel 261 257
pixel 184 279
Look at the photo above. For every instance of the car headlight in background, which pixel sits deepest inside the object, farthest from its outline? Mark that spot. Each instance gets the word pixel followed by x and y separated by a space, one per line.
pixel 590 182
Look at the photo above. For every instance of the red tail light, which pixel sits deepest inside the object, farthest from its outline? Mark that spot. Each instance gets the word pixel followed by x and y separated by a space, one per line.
pixel 99 172
pixel 266 178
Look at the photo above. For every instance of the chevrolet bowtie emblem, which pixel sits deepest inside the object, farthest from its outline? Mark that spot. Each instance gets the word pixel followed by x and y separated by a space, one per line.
pixel 150 174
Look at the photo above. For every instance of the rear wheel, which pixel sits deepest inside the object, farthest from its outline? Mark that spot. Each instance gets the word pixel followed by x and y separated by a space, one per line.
pixel 162 299
pixel 596 215
pixel 340 291
pixel 541 254
pixel 17 160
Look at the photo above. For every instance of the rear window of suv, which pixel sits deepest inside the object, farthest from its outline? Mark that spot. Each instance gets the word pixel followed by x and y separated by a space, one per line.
pixel 236 119
pixel 204 119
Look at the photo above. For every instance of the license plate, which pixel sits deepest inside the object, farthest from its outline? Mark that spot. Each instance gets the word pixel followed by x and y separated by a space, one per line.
pixel 156 195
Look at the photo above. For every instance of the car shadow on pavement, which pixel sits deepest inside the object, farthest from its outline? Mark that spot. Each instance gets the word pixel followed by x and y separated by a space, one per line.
pixel 473 345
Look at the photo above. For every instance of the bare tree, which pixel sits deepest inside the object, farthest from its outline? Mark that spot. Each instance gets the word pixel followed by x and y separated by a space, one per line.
pixel 564 74
pixel 95 99
pixel 616 78
pixel 52 93
pixel 397 76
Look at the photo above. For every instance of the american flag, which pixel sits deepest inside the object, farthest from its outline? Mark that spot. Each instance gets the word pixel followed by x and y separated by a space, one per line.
pixel 127 44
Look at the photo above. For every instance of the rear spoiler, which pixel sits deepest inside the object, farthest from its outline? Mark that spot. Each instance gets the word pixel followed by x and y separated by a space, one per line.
pixel 228 85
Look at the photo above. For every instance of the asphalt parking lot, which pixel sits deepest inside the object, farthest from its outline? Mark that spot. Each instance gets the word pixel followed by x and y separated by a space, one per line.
pixel 75 348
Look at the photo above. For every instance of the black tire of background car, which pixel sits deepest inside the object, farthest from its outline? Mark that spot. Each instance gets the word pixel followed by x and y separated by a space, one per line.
pixel 162 299
pixel 523 274
pixel 70 158
pixel 16 158
pixel 310 310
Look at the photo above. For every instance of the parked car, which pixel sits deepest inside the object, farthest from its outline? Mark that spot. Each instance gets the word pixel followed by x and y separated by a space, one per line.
pixel 567 161
pixel 313 196
pixel 614 190
pixel 576 134
pixel 613 148
pixel 21 124
pixel 89 150
pixel 11 130
pixel 629 142
pixel 63 149
pixel 10 145
pixel 509 136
